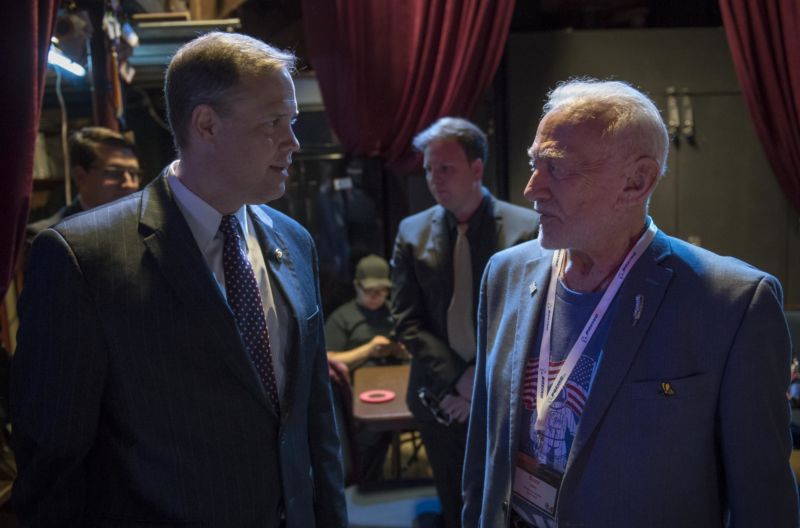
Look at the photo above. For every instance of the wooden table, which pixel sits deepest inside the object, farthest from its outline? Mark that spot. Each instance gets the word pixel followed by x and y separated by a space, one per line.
pixel 393 415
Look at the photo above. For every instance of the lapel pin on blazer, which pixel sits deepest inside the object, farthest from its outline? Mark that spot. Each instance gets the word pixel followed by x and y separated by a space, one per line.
pixel 278 254
pixel 666 388
pixel 638 307
pixel 532 287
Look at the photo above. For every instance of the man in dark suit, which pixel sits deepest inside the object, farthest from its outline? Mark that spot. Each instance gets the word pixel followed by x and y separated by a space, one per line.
pixel 104 166
pixel 438 260
pixel 624 377
pixel 171 367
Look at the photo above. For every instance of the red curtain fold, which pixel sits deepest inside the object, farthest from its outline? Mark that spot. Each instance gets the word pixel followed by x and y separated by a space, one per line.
pixel 764 38
pixel 387 69
pixel 26 30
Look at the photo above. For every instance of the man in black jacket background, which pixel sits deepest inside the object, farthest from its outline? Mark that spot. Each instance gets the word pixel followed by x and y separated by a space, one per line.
pixel 439 257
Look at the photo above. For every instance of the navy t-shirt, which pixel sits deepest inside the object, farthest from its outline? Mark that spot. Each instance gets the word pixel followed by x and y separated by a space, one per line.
pixel 571 312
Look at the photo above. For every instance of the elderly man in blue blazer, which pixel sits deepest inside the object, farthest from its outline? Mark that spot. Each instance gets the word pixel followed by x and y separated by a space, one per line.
pixel 624 378
pixel 171 367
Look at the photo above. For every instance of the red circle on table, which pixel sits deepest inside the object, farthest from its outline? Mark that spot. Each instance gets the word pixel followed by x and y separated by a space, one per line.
pixel 376 396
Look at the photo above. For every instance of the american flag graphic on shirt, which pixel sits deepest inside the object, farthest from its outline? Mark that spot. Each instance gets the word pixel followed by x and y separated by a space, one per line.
pixel 577 387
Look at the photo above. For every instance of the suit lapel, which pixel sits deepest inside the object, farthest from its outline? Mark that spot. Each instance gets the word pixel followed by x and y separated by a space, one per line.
pixel 648 281
pixel 498 225
pixel 537 272
pixel 280 264
pixel 438 240
pixel 171 244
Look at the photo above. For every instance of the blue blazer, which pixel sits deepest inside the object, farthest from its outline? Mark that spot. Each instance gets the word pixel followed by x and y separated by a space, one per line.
pixel 134 402
pixel 717 449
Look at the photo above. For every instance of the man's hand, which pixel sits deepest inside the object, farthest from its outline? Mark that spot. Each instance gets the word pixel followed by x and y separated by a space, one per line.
pixel 465 383
pixel 338 372
pixel 378 347
pixel 456 406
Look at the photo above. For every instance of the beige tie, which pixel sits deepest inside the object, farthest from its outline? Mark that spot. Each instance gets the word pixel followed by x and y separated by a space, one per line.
pixel 460 326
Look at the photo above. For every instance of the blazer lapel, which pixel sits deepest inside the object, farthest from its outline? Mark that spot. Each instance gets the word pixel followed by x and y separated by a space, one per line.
pixel 438 240
pixel 170 242
pixel 281 271
pixel 648 282
pixel 498 224
pixel 532 295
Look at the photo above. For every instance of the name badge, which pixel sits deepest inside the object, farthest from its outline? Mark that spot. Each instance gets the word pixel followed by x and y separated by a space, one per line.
pixel 537 485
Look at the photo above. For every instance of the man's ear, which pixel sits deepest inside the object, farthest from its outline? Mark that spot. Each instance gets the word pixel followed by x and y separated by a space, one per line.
pixel 204 124
pixel 476 166
pixel 640 181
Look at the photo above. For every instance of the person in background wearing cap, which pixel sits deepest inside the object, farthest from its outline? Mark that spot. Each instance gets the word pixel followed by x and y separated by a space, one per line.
pixel 358 333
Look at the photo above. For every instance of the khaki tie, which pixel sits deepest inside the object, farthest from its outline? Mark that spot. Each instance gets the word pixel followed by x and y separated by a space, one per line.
pixel 460 326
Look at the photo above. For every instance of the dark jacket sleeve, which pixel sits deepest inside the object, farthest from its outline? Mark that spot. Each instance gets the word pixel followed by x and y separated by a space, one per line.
pixel 57 380
pixel 326 457
pixel 443 367
pixel 754 416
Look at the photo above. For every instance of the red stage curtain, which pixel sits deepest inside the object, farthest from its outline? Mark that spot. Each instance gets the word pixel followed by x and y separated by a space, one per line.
pixel 26 29
pixel 764 37
pixel 387 68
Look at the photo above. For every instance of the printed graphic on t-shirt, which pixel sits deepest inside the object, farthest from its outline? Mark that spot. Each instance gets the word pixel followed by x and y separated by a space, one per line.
pixel 545 455
pixel 552 448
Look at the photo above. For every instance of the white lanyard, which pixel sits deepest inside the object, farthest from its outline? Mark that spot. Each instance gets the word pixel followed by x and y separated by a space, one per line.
pixel 546 395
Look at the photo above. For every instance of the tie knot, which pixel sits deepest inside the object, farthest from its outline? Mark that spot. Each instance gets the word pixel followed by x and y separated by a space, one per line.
pixel 229 226
pixel 462 229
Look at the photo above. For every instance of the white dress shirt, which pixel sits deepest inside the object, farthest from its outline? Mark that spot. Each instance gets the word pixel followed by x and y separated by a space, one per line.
pixel 204 222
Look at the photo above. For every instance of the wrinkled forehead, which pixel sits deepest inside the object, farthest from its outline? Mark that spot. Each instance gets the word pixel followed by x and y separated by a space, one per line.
pixel 565 136
pixel 583 143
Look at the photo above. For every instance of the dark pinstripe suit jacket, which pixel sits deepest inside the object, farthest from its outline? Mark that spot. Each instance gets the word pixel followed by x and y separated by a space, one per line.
pixel 133 400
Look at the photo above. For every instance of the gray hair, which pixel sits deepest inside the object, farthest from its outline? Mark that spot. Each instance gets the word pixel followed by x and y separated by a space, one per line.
pixel 631 118
pixel 208 68
pixel 469 136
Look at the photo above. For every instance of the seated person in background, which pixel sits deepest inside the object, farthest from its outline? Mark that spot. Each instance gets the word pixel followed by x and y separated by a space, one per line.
pixel 357 333
pixel 104 166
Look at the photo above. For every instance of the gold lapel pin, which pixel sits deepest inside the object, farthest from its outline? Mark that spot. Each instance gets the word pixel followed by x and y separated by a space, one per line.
pixel 278 254
pixel 666 388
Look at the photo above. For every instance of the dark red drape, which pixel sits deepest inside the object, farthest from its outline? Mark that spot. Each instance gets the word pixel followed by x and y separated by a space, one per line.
pixel 764 38
pixel 26 28
pixel 387 68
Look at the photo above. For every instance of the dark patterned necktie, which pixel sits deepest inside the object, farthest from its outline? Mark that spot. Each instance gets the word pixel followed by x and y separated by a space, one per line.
pixel 245 301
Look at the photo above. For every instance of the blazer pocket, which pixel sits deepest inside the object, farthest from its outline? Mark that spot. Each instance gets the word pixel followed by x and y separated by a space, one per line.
pixel 683 388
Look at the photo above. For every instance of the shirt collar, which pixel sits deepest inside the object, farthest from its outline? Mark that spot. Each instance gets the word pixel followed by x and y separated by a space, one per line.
pixel 474 220
pixel 202 218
